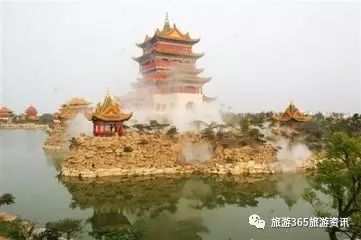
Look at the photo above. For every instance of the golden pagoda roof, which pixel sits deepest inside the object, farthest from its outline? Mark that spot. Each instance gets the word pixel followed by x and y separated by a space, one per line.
pixel 292 113
pixel 77 101
pixel 170 33
pixel 110 110
pixel 67 112
pixel 71 108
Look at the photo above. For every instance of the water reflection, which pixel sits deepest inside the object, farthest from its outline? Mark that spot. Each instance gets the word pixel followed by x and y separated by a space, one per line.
pixel 197 207
pixel 174 203
pixel 54 158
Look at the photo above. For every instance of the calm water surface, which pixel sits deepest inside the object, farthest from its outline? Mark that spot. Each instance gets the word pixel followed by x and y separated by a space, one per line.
pixel 198 207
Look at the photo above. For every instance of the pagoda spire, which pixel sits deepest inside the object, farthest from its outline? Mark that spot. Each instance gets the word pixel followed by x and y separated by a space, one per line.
pixel 166 22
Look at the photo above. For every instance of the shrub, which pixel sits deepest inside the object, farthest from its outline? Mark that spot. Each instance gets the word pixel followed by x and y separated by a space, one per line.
pixel 172 132
pixel 143 142
pixel 46 118
pixel 128 149
pixel 74 143
pixel 68 226
pixel 6 199
pixel 13 230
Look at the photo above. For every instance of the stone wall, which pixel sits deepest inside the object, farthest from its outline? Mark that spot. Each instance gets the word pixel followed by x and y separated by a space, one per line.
pixel 156 153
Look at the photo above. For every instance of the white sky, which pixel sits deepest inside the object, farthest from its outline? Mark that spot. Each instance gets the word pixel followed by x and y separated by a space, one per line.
pixel 260 54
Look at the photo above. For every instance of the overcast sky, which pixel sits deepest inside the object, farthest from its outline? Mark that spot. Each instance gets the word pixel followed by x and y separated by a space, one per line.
pixel 260 54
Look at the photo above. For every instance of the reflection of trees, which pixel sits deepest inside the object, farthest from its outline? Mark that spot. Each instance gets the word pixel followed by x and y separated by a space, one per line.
pixel 155 201
pixel 290 187
pixel 229 190
pixel 108 220
pixel 54 158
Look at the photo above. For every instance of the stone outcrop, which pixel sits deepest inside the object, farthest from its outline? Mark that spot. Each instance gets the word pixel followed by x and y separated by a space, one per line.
pixel 29 126
pixel 156 153
pixel 57 139
pixel 4 217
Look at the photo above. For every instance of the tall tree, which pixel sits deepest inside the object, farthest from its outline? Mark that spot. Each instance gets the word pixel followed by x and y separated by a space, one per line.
pixel 339 177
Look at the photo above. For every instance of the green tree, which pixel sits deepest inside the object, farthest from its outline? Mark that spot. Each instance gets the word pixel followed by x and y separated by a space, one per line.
pixel 156 126
pixel 339 177
pixel 255 135
pixel 6 199
pixel 208 133
pixel 172 132
pixel 350 125
pixel 244 124
pixel 128 232
pixel 68 226
pixel 74 143
pixel 12 230
pixel 140 127
pixel 46 118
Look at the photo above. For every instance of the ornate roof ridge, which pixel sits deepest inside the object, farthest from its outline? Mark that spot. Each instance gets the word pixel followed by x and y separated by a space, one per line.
pixel 171 33
pixel 110 110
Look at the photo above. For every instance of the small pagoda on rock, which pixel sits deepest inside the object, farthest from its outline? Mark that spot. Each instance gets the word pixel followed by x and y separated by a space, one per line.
pixel 70 109
pixel 108 118
pixel 291 116
pixel 31 113
pixel 6 114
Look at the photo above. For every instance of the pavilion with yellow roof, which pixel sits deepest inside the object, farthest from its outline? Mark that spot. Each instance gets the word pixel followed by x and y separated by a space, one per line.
pixel 108 117
pixel 70 109
pixel 291 114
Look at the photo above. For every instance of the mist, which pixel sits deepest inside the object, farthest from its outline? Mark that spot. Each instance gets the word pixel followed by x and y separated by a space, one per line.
pixel 197 153
pixel 79 125
pixel 259 54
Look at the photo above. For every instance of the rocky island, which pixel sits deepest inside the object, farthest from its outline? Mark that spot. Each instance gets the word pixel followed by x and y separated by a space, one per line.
pixel 158 148
pixel 157 153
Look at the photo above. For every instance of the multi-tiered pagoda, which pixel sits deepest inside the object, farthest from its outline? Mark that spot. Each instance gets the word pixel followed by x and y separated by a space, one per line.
pixel 170 78
pixel 6 114
pixel 31 113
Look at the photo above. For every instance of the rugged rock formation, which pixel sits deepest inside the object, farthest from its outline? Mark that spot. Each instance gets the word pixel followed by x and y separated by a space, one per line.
pixel 4 217
pixel 57 139
pixel 156 153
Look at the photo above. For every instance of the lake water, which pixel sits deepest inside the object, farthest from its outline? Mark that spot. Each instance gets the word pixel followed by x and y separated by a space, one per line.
pixel 198 207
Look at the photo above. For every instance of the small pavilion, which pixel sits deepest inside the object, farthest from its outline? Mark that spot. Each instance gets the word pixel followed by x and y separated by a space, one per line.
pixel 108 118
pixel 291 116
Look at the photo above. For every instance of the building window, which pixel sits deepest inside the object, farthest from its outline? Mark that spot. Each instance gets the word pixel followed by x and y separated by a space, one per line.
pixel 190 106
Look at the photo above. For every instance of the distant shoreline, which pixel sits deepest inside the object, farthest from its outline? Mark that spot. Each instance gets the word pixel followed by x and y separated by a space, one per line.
pixel 26 126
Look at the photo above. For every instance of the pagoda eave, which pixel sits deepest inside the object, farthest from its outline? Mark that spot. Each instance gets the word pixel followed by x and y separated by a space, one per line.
pixel 187 55
pixel 156 37
pixel 172 69
pixel 164 53
pixel 189 40
pixel 124 117
pixel 195 80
